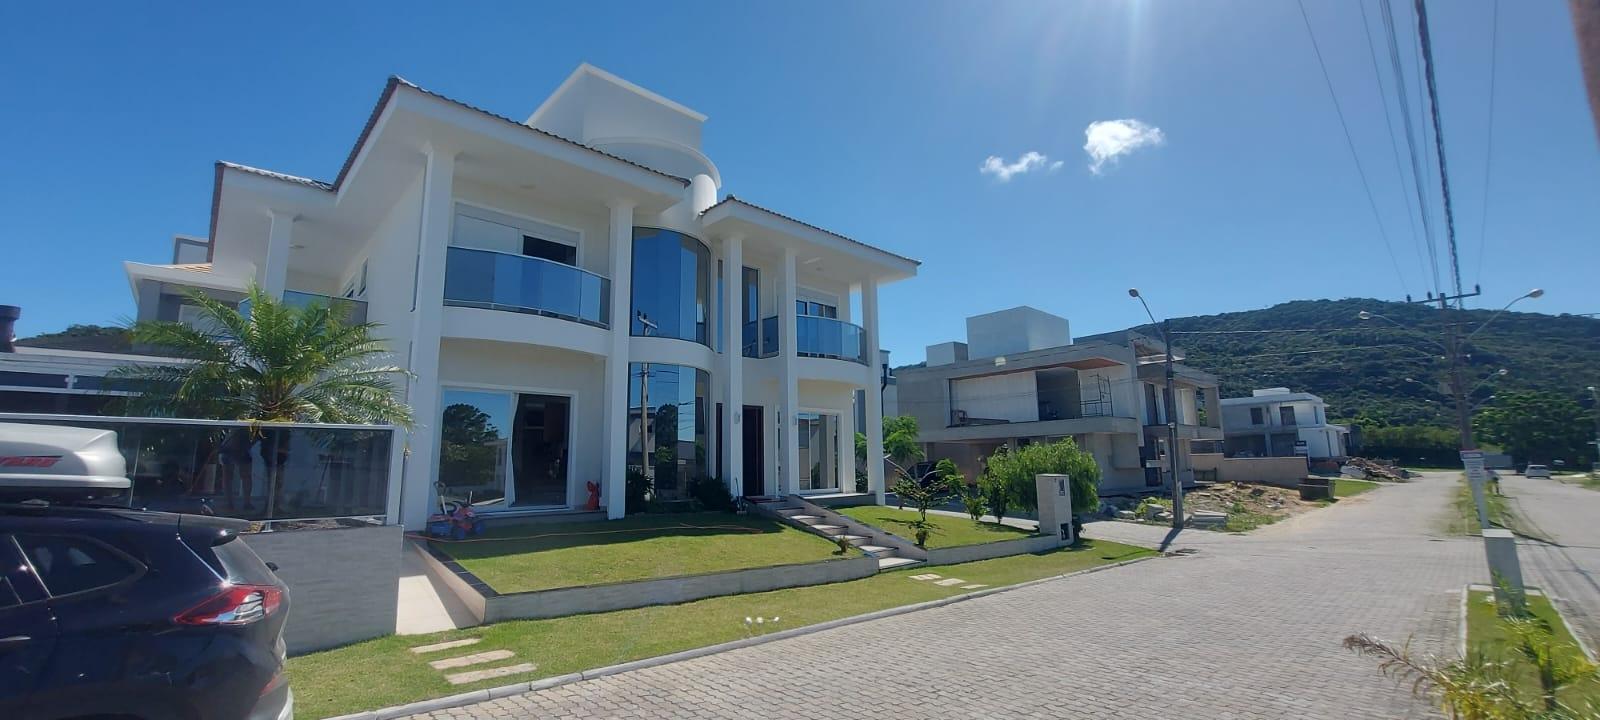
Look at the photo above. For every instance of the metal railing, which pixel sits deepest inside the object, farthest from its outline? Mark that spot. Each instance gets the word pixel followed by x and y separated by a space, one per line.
pixel 268 472
pixel 814 337
pixel 495 280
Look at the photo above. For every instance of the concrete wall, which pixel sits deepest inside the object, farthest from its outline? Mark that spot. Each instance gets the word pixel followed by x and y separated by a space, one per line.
pixel 1280 471
pixel 1015 330
pixel 620 596
pixel 985 551
pixel 344 583
pixel 1012 396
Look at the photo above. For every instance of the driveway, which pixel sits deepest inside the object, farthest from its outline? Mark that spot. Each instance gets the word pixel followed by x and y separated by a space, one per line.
pixel 1238 627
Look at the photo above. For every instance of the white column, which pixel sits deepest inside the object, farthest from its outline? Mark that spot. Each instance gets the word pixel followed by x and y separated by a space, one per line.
pixel 789 478
pixel 847 448
pixel 280 236
pixel 433 238
pixel 874 415
pixel 733 364
pixel 614 463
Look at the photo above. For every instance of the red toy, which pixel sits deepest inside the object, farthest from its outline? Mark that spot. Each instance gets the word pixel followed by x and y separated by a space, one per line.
pixel 594 497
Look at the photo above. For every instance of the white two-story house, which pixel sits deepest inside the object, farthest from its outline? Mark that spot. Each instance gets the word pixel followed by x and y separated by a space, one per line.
pixel 573 295
pixel 1275 422
pixel 1021 378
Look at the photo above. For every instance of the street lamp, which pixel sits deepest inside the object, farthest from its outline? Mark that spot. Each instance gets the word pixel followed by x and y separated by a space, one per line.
pixel 1172 421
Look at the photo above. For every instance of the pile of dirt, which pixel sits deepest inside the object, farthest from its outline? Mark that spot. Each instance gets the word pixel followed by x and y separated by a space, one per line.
pixel 1235 498
pixel 1379 471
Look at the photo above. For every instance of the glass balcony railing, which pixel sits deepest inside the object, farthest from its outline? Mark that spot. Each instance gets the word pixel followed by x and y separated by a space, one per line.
pixel 518 283
pixel 268 472
pixel 814 337
pixel 355 310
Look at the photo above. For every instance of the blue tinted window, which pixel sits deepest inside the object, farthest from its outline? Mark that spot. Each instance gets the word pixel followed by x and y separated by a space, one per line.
pixel 671 286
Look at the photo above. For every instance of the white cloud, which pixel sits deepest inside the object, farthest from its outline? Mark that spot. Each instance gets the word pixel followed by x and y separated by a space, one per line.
pixel 1026 163
pixel 1108 140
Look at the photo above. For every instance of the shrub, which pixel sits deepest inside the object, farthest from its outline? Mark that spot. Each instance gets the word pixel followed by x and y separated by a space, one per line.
pixel 1011 475
pixel 711 493
pixel 638 491
pixel 996 495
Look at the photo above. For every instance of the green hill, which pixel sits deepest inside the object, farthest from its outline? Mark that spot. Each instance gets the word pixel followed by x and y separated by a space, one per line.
pixel 1338 361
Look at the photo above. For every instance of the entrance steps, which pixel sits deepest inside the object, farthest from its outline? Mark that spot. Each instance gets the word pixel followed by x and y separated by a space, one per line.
pixel 890 552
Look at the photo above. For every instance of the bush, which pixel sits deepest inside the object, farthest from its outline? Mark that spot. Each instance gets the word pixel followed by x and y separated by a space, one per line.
pixel 996 495
pixel 711 493
pixel 638 491
pixel 1011 475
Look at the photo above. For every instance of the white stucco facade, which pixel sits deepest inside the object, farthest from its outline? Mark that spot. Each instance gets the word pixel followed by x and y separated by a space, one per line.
pixel 571 298
pixel 1277 422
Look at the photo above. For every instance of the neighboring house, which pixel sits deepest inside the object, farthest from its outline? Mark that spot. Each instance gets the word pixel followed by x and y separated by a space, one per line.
pixel 1020 379
pixel 571 298
pixel 1275 422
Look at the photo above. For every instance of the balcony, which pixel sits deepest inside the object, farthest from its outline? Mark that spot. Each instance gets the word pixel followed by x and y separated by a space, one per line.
pixel 494 280
pixel 355 311
pixel 817 337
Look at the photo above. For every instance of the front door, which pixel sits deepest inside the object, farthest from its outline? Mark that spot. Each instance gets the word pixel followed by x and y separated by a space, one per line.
pixel 755 452
pixel 539 450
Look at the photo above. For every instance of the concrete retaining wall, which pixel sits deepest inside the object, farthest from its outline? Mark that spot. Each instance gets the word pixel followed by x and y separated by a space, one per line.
pixel 621 596
pixel 1280 471
pixel 986 551
pixel 344 583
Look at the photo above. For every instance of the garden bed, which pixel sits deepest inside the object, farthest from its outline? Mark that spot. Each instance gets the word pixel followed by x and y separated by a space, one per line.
pixel 1488 634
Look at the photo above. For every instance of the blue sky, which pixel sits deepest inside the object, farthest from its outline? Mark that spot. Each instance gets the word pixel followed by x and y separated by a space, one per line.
pixel 873 119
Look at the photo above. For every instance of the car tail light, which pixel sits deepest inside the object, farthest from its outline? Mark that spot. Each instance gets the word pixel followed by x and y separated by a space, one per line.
pixel 234 605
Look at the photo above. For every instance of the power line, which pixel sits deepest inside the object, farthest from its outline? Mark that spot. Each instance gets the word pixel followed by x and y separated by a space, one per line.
pixel 1488 142
pixel 1376 216
pixel 1424 208
pixel 1388 126
pixel 1438 142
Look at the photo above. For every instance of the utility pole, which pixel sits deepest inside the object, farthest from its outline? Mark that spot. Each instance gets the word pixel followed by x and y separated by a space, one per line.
pixel 1170 405
pixel 1172 429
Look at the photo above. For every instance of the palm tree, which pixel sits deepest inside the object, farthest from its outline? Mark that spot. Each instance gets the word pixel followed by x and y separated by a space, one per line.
pixel 271 363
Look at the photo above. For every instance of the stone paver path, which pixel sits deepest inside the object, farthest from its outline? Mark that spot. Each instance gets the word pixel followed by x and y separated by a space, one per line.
pixel 1241 627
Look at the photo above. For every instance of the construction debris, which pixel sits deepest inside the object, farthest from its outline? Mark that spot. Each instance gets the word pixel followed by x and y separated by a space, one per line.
pixel 1374 470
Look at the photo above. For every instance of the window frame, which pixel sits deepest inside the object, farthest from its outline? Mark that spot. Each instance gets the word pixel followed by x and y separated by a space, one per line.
pixel 525 225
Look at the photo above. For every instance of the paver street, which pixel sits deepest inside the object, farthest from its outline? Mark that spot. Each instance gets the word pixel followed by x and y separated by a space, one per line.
pixel 1246 627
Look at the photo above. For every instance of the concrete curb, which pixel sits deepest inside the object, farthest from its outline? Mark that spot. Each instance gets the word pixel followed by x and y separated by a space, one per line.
pixel 477 696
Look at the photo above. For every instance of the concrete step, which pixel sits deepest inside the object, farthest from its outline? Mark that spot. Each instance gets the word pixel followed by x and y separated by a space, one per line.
pixel 807 519
pixel 877 551
pixel 830 530
pixel 791 512
pixel 888 563
pixel 856 540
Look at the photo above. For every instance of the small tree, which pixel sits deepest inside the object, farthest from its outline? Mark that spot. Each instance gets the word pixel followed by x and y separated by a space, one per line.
pixel 970 495
pixel 1010 475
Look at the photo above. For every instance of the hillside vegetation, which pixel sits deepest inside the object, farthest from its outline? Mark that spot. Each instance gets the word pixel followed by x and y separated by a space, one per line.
pixel 1361 367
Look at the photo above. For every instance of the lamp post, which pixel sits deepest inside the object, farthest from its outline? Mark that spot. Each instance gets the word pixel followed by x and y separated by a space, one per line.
pixel 1172 421
pixel 646 462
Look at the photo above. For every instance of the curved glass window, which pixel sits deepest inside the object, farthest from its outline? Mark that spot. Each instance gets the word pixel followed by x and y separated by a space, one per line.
pixel 671 286
pixel 668 408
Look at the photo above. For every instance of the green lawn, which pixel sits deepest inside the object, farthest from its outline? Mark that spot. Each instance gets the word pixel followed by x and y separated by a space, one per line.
pixel 1485 631
pixel 1346 487
pixel 1588 480
pixel 519 558
pixel 945 530
pixel 383 672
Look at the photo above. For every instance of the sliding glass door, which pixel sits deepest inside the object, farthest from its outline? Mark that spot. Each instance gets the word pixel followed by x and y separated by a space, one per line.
pixel 819 452
pixel 503 449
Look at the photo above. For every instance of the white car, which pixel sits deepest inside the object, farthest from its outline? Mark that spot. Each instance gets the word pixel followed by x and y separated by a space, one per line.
pixel 1536 471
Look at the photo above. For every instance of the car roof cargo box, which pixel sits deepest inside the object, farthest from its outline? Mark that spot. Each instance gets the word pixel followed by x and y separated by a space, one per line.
pixel 52 458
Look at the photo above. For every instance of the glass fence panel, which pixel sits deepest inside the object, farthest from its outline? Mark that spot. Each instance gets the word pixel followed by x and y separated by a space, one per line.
pixel 520 283
pixel 253 472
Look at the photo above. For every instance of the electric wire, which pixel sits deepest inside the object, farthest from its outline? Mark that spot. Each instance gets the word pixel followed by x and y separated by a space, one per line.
pixel 1403 92
pixel 1438 141
pixel 1388 126
pixel 1488 141
pixel 1350 142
